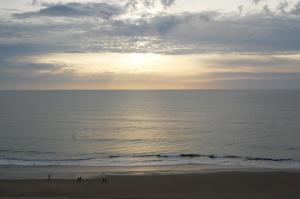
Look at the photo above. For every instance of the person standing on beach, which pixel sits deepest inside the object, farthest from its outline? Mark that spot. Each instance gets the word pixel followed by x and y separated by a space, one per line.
pixel 104 179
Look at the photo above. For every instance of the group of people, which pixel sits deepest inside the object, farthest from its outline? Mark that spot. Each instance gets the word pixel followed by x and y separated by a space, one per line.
pixel 104 179
pixel 79 178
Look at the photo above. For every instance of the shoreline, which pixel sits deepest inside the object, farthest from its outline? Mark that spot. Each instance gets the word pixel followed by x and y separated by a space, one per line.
pixel 221 184
pixel 13 172
pixel 155 182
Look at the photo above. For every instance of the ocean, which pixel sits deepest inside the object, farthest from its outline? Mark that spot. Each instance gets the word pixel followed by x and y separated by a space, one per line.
pixel 254 128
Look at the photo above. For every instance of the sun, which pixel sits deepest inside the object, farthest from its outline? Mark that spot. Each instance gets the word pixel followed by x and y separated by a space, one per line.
pixel 141 62
pixel 137 59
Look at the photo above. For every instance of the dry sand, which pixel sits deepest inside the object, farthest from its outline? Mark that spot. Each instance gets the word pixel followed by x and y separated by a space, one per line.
pixel 239 184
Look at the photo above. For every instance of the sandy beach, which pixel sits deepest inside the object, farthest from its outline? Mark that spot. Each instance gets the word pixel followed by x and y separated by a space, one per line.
pixel 219 184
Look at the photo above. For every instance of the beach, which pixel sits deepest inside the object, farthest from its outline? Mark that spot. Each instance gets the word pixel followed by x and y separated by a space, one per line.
pixel 206 183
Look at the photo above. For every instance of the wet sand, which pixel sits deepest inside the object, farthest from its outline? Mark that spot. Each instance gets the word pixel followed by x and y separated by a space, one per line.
pixel 225 184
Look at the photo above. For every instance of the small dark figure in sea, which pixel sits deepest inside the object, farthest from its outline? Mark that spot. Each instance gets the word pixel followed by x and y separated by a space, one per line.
pixel 49 177
pixel 79 178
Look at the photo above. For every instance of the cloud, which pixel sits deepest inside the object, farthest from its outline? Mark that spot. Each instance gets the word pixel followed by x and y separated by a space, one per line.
pixel 22 68
pixel 256 1
pixel 35 2
pixel 283 6
pixel 80 28
pixel 261 63
pixel 296 9
pixel 240 9
pixel 167 3
pixel 102 10
pixel 267 10
pixel 250 80
pixel 149 3
pixel 181 33
pixel 257 33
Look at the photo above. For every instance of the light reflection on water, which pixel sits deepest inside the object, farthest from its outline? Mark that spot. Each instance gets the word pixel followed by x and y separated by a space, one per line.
pixel 90 127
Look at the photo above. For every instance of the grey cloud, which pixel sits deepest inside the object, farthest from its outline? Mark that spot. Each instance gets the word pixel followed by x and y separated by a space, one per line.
pixel 167 3
pixel 267 10
pixel 252 34
pixel 35 2
pixel 256 62
pixel 131 4
pixel 282 6
pixel 256 1
pixel 241 8
pixel 296 10
pixel 250 76
pixel 23 49
pixel 250 80
pixel 149 3
pixel 15 75
pixel 27 79
pixel 102 10
pixel 184 33
pixel 211 31
pixel 28 67
pixel 170 34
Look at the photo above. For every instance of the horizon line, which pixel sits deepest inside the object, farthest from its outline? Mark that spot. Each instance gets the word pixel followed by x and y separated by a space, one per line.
pixel 246 89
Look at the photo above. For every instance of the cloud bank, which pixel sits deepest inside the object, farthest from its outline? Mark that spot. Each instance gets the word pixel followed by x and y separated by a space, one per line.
pixel 151 26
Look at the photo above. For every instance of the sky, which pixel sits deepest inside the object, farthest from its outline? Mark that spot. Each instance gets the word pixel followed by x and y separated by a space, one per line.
pixel 149 44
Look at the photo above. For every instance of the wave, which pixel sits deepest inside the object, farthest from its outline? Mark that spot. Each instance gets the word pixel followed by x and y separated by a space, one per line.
pixel 150 160
pixel 212 156
pixel 47 160
pixel 34 152
pixel 80 137
pixel 109 139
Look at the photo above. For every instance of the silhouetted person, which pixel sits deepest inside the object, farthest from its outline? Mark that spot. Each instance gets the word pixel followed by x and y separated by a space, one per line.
pixel 79 178
pixel 104 179
pixel 49 177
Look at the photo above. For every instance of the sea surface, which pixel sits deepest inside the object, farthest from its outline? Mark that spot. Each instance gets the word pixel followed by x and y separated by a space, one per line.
pixel 146 128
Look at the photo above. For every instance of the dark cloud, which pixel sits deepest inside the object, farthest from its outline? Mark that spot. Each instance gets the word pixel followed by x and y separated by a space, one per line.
pixel 28 67
pixel 23 49
pixel 102 10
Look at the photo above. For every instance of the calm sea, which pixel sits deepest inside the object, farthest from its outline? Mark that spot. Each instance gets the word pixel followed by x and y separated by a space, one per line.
pixel 138 128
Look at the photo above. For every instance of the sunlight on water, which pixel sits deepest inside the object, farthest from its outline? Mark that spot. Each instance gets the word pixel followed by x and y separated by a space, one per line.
pixel 256 128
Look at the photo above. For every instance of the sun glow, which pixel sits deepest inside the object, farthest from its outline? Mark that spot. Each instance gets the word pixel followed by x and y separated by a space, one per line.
pixel 141 62
pixel 155 71
pixel 124 63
